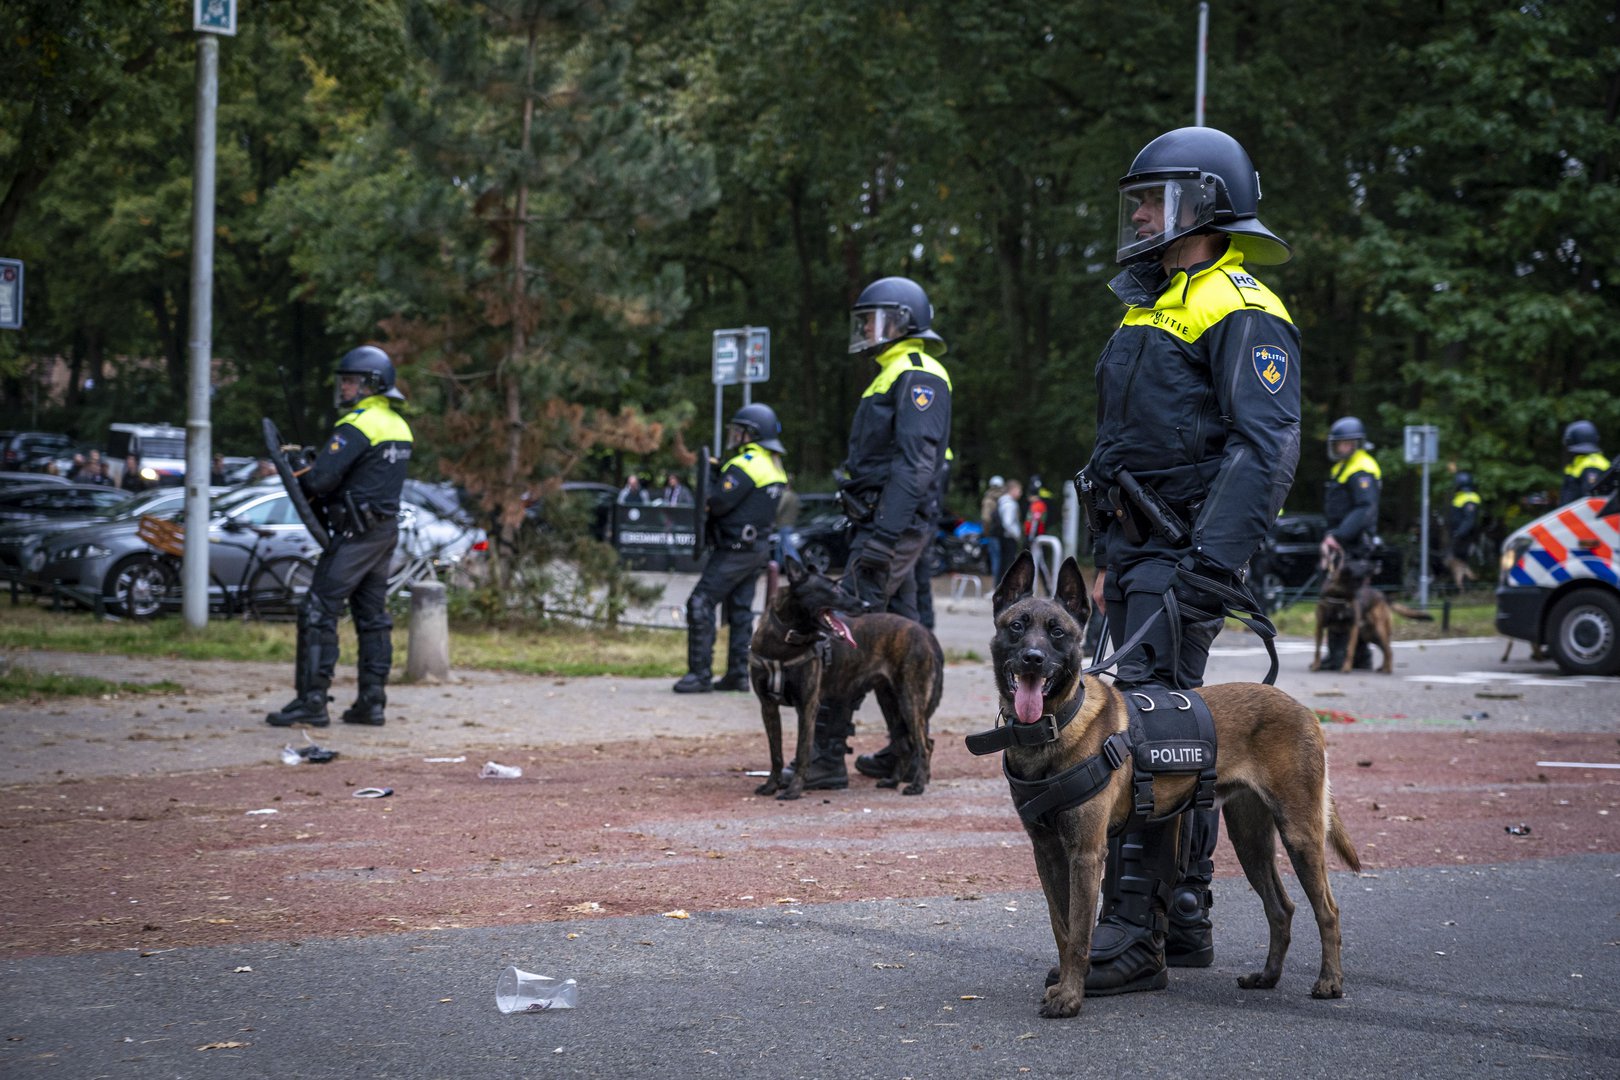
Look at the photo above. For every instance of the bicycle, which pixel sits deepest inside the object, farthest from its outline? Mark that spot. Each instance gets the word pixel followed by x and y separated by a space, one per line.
pixel 268 588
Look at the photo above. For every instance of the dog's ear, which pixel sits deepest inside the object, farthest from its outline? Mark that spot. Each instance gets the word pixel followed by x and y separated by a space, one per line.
pixel 1071 591
pixel 1017 583
pixel 796 573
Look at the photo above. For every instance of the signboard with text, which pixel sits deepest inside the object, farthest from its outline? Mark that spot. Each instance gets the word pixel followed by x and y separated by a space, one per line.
pixel 11 294
pixel 742 356
pixel 214 17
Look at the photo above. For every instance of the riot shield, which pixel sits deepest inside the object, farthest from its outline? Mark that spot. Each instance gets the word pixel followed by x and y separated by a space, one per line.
pixel 306 513
pixel 700 494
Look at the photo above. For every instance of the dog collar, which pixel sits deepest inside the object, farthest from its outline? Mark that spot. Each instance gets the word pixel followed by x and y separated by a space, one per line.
pixel 1006 733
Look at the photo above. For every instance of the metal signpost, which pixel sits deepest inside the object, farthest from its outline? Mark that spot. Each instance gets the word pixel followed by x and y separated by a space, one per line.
pixel 11 294
pixel 742 356
pixel 210 19
pixel 1423 446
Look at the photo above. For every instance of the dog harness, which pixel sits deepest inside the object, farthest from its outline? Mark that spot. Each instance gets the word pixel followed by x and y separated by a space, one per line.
pixel 1182 743
pixel 776 685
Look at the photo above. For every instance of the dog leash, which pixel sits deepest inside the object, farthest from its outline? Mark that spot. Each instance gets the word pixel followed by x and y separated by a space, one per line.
pixel 1235 604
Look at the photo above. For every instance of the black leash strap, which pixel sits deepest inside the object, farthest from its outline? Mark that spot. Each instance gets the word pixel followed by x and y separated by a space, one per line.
pixel 1236 604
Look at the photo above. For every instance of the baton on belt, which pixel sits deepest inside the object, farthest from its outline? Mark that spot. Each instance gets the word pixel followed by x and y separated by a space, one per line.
pixel 1157 510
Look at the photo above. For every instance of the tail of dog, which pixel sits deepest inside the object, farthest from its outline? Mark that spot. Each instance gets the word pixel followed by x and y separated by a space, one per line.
pixel 938 689
pixel 1411 613
pixel 1339 837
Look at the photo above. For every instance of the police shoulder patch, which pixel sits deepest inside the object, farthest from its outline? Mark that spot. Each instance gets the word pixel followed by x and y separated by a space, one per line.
pixel 922 397
pixel 1243 281
pixel 337 444
pixel 1271 365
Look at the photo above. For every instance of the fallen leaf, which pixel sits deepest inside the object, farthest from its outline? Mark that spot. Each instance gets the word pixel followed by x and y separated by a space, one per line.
pixel 678 913
pixel 223 1046
pixel 238 971
pixel 585 908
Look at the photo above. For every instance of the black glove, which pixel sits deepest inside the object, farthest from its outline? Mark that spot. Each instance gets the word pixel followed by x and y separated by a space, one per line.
pixel 1196 599
pixel 877 553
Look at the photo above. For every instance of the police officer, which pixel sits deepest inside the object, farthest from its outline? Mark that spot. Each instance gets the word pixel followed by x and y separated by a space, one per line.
pixel 1462 524
pixel 357 478
pixel 897 445
pixel 1198 414
pixel 1586 462
pixel 741 508
pixel 1350 505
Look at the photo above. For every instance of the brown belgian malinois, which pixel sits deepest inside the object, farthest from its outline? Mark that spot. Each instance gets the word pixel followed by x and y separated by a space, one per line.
pixel 1270 780
pixel 1348 600
pixel 806 653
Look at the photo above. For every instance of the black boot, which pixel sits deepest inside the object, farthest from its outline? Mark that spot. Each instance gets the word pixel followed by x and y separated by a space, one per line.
pixel 694 682
pixel 880 766
pixel 308 709
pixel 732 680
pixel 368 706
pixel 826 771
pixel 1127 946
pixel 1190 941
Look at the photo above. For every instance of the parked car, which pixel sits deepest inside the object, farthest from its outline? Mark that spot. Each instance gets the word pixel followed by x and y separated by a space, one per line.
pixel 251 524
pixel 28 479
pixel 27 451
pixel 1287 562
pixel 43 501
pixel 1560 585
pixel 21 542
pixel 822 540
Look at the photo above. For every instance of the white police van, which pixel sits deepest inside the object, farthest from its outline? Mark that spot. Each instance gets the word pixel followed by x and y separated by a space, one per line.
pixel 1560 584
pixel 160 448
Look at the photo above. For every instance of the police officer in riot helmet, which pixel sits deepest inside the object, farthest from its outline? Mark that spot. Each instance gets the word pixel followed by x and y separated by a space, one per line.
pixel 1586 464
pixel 742 502
pixel 1350 504
pixel 898 442
pixel 356 477
pixel 1198 410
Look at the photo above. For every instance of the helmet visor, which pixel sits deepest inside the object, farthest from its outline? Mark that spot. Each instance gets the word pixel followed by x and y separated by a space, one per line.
pixel 1154 212
pixel 871 327
pixel 349 387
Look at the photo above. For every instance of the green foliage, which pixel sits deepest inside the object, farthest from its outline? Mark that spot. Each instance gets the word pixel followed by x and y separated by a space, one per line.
pixel 1447 175
pixel 25 684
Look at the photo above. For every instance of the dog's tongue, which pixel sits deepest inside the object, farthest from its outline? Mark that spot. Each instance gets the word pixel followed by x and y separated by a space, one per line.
pixel 1027 699
pixel 839 627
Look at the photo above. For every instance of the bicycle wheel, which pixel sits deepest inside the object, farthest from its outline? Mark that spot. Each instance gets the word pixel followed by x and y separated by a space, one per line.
pixel 277 588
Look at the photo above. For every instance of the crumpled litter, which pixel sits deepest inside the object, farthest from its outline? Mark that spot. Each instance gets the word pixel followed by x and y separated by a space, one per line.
pixel 496 771
pixel 374 793
pixel 315 755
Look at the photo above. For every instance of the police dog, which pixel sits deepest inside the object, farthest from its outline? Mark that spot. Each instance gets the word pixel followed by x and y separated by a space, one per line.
pixel 1347 601
pixel 1270 779
pixel 896 659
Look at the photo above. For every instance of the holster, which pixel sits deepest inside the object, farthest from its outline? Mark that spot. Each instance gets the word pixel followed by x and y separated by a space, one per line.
pixel 349 517
pixel 859 507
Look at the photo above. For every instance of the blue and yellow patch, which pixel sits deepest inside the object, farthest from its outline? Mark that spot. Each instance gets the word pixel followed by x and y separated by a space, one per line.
pixel 922 397
pixel 337 444
pixel 1271 364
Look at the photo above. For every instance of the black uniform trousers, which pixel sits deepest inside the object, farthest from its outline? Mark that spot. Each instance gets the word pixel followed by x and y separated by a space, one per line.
pixel 729 579
pixel 353 571
pixel 1139 575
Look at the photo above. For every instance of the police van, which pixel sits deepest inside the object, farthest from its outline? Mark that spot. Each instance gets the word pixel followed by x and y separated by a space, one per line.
pixel 1560 584
pixel 160 448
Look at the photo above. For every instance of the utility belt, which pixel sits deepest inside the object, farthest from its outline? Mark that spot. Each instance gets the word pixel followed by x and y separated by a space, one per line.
pixel 1138 510
pixel 750 538
pixel 352 518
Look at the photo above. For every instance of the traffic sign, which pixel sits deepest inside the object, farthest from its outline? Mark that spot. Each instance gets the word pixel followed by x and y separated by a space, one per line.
pixel 742 355
pixel 11 294
pixel 214 17
pixel 1422 444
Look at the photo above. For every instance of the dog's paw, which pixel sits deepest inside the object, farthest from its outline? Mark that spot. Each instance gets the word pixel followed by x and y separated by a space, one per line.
pixel 913 789
pixel 769 787
pixel 1260 980
pixel 1327 988
pixel 1060 1003
pixel 889 782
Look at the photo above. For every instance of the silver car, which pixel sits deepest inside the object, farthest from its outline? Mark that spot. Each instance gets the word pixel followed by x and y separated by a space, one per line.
pixel 254 536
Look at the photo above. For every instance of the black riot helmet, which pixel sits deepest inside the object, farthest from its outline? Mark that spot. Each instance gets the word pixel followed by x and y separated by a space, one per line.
pixel 1581 437
pixel 891 309
pixel 1206 183
pixel 757 423
pixel 376 374
pixel 1345 429
pixel 1464 480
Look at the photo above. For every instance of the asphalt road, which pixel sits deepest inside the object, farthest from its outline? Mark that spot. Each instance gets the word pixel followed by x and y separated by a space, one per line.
pixel 1505 969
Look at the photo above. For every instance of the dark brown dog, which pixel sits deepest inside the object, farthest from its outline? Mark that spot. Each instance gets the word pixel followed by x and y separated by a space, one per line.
pixel 1270 779
pixel 1347 601
pixel 899 661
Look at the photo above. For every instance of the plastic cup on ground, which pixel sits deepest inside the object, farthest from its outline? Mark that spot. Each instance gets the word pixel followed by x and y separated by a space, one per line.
pixel 519 991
